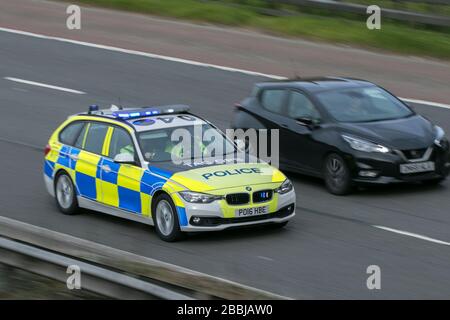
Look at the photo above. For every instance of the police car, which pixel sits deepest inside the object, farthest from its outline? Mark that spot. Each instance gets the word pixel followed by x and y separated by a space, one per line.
pixel 125 162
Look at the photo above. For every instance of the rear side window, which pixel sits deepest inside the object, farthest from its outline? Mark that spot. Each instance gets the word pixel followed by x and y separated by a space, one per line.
pixel 70 133
pixel 120 143
pixel 95 137
pixel 272 100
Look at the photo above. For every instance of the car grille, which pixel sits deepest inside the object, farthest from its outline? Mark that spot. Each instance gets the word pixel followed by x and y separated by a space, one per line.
pixel 414 154
pixel 238 198
pixel 262 196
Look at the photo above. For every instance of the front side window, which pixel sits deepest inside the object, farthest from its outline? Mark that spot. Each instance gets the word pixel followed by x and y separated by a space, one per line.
pixel 121 142
pixel 301 107
pixel 95 137
pixel 363 105
pixel 71 132
pixel 272 100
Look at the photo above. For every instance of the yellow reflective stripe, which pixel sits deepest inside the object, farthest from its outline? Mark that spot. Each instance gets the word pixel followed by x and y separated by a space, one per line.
pixel 278 176
pixel 107 142
pixel 145 205
pixel 85 135
pixel 130 177
pixel 110 193
pixel 87 163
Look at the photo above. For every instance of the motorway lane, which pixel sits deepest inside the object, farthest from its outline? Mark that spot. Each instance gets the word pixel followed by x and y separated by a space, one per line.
pixel 323 252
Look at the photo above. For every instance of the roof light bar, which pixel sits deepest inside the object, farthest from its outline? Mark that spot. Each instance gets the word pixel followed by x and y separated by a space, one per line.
pixel 151 111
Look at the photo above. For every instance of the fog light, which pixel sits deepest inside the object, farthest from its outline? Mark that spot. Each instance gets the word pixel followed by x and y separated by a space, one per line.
pixel 196 220
pixel 368 174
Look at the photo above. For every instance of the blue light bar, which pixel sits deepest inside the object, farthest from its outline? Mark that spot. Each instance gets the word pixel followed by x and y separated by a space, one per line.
pixel 145 112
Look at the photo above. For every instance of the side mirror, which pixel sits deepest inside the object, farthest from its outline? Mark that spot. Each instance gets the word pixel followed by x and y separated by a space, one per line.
pixel 125 158
pixel 308 122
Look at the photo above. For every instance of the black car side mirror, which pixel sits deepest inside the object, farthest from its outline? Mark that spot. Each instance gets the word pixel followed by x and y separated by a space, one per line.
pixel 308 122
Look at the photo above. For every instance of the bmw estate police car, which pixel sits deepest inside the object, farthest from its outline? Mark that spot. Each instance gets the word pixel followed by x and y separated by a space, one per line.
pixel 121 162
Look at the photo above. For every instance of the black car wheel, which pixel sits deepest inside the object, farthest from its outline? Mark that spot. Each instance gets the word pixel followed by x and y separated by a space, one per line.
pixel 337 175
pixel 65 196
pixel 165 219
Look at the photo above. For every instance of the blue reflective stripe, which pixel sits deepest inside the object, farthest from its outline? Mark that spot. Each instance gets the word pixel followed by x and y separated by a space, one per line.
pixel 63 158
pixel 161 172
pixel 129 199
pixel 48 168
pixel 86 185
pixel 111 176
pixel 182 218
pixel 150 183
pixel 73 151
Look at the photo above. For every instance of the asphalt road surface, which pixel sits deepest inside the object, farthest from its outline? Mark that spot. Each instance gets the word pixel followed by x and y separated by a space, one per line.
pixel 322 253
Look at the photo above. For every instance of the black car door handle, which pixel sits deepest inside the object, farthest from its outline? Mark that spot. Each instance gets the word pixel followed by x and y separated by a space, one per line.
pixel 284 125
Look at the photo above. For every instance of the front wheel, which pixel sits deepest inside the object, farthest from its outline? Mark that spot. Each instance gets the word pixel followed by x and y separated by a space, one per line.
pixel 337 175
pixel 66 199
pixel 165 219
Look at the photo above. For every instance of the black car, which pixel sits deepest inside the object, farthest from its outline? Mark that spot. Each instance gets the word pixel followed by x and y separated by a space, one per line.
pixel 346 131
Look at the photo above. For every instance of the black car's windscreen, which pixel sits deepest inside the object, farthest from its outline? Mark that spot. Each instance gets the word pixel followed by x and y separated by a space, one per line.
pixel 362 105
pixel 165 144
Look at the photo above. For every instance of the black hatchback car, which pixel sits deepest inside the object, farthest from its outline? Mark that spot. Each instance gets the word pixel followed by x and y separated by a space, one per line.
pixel 346 131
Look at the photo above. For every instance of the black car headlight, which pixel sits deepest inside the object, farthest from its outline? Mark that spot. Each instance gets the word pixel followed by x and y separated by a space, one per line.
pixel 439 136
pixel 285 187
pixel 363 145
pixel 198 197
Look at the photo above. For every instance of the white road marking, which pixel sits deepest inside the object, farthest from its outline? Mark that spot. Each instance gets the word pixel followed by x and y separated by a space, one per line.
pixel 434 104
pixel 414 235
pixel 185 61
pixel 264 258
pixel 39 84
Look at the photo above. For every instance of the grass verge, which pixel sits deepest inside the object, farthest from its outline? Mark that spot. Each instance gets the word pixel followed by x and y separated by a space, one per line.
pixel 393 36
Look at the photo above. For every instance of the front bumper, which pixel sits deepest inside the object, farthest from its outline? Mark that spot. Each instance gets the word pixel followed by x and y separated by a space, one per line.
pixel 214 217
pixel 387 167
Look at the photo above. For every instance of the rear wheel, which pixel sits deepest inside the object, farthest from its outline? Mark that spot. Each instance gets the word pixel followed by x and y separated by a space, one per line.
pixel 165 219
pixel 65 196
pixel 337 175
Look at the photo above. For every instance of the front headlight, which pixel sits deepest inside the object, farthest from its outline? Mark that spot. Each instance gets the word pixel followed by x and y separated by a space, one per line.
pixel 363 145
pixel 285 187
pixel 197 197
pixel 439 135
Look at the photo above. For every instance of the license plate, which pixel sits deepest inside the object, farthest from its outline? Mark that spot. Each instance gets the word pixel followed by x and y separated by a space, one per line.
pixel 255 211
pixel 417 167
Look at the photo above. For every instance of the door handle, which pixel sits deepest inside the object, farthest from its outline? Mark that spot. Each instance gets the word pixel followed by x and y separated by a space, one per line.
pixel 106 168
pixel 284 125
pixel 73 157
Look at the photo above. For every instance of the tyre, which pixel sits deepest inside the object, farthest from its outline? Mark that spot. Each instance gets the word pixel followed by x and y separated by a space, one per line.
pixel 65 195
pixel 337 175
pixel 165 219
